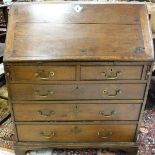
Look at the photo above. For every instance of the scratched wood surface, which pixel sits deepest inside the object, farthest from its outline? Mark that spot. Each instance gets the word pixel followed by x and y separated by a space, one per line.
pixel 77 56
pixel 65 32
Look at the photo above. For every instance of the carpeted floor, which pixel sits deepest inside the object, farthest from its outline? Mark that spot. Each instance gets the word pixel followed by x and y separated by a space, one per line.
pixel 146 137
pixel 7 135
pixel 4 108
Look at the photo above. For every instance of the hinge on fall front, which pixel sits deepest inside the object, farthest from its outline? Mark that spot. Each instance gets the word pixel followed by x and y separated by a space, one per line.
pixel 139 50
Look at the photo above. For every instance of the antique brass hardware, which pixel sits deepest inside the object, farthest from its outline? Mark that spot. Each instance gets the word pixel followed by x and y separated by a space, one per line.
pixel 85 52
pixel 111 75
pixel 77 87
pixel 76 109
pixel 107 115
pixel 7 76
pixel 42 75
pixel 104 134
pixel 8 73
pixel 106 92
pixel 48 135
pixel 139 50
pixel 76 130
pixel 47 93
pixel 46 112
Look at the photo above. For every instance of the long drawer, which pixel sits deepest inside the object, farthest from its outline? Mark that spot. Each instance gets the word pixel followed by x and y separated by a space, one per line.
pixel 43 73
pixel 111 72
pixel 76 91
pixel 76 133
pixel 68 112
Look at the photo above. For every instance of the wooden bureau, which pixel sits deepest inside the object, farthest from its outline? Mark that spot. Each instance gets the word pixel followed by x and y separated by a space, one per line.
pixel 78 74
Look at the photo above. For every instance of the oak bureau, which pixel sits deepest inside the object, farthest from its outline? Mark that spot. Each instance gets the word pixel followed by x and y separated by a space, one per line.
pixel 78 74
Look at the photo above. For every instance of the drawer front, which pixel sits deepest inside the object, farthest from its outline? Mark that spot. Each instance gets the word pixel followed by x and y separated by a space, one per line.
pixel 53 112
pixel 42 73
pixel 111 72
pixel 76 92
pixel 76 133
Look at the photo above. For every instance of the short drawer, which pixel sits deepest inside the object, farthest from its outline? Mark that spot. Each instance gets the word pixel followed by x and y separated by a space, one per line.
pixel 76 91
pixel 111 72
pixel 67 112
pixel 76 133
pixel 43 73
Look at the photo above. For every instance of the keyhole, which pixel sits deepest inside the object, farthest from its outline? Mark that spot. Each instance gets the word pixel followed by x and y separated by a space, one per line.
pixel 77 87
pixel 77 8
pixel 76 107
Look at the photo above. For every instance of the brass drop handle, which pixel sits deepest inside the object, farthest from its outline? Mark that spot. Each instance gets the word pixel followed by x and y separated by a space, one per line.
pixel 49 135
pixel 106 92
pixel 46 112
pixel 104 134
pixel 107 115
pixel 44 76
pixel 112 75
pixel 39 94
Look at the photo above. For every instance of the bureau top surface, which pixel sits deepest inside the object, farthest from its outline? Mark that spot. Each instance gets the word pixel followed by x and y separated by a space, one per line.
pixel 78 31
